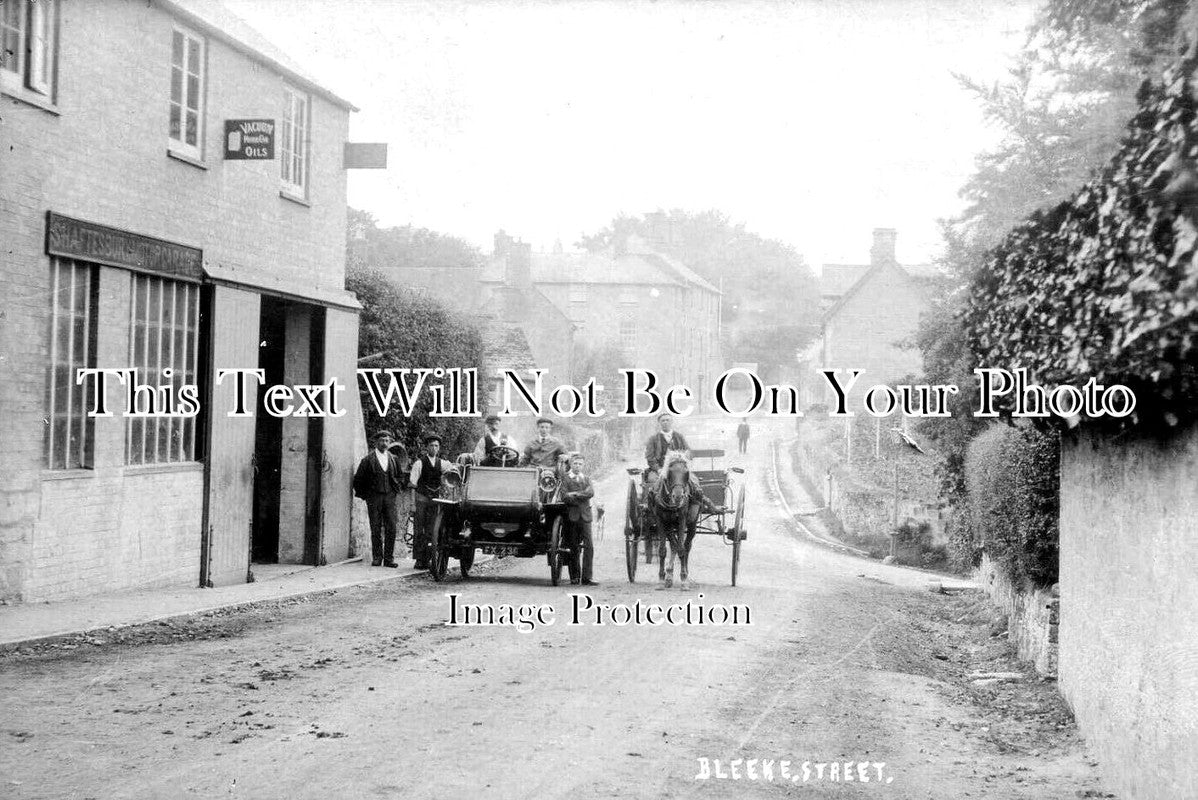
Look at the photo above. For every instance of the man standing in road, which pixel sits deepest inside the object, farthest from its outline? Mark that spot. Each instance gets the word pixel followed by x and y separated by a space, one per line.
pixel 426 480
pixel 664 441
pixel 577 492
pixel 742 435
pixel 380 481
pixel 546 450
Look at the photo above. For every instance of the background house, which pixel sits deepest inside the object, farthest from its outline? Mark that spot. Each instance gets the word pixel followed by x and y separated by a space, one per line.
pixel 871 314
pixel 658 312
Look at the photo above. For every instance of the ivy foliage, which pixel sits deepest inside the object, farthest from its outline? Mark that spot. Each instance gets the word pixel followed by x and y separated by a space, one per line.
pixel 401 328
pixel 1011 475
pixel 1105 284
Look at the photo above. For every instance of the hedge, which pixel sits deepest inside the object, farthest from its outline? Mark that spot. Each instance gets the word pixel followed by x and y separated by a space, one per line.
pixel 1105 284
pixel 1011 476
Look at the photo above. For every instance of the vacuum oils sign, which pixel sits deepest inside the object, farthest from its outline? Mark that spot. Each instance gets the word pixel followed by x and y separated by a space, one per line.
pixel 250 139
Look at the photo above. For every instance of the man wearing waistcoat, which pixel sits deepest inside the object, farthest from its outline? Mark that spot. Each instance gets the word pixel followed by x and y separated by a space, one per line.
pixel 493 437
pixel 426 480
pixel 577 492
pixel 382 482
pixel 664 441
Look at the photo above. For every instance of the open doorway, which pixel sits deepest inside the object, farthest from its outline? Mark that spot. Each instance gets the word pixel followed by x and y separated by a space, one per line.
pixel 288 451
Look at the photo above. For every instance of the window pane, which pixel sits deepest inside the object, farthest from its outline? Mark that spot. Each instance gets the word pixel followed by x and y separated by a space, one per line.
pixel 193 92
pixel 176 85
pixel 192 126
pixel 177 49
pixel 193 56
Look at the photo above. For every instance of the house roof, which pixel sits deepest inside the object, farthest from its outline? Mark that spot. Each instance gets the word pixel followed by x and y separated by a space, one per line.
pixel 639 265
pixel 919 273
pixel 836 279
pixel 217 20
pixel 505 346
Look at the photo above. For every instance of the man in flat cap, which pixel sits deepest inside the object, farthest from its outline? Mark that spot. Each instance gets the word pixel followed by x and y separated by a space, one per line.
pixel 426 480
pixel 382 482
pixel 545 451
pixel 494 437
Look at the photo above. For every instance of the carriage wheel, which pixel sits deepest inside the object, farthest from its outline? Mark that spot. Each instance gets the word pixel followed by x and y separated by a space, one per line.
pixel 555 552
pixel 738 524
pixel 466 560
pixel 439 563
pixel 632 526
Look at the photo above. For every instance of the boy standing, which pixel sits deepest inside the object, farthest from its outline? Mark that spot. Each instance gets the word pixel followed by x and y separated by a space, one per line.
pixel 577 492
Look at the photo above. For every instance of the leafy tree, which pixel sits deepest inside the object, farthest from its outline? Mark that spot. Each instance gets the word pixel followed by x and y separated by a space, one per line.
pixel 770 304
pixel 390 250
pixel 1062 109
pixel 403 328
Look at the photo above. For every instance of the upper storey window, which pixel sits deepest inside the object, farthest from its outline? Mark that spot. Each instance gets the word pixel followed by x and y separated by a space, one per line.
pixel 28 55
pixel 293 139
pixel 186 131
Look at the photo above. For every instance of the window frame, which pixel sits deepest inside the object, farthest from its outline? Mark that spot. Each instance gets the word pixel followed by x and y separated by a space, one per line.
pixel 181 146
pixel 34 76
pixel 288 141
pixel 82 454
pixel 628 324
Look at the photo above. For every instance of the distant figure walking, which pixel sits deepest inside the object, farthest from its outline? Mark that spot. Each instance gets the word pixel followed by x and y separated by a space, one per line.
pixel 742 436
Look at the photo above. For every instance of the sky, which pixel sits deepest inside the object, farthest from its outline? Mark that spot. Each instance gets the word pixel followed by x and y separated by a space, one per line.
pixel 812 122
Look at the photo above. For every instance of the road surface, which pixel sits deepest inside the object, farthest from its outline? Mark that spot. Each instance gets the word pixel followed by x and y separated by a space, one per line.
pixel 367 693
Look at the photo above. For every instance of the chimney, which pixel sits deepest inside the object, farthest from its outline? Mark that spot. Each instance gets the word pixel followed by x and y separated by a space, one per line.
pixel 503 244
pixel 660 230
pixel 883 250
pixel 519 265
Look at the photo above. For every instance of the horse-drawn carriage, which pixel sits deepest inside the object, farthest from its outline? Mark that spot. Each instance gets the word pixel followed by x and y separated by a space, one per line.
pixel 504 511
pixel 724 489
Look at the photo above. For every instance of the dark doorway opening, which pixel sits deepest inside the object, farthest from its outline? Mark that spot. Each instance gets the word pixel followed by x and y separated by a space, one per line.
pixel 288 451
pixel 268 435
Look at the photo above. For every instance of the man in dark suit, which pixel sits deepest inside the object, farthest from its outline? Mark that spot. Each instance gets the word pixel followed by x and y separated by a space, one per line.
pixel 577 492
pixel 664 441
pixel 546 450
pixel 382 482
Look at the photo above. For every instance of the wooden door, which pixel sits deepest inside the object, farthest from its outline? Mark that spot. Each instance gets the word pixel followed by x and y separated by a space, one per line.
pixel 229 467
pixel 341 435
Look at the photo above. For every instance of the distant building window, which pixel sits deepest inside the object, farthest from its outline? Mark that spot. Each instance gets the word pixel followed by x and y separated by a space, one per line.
pixel 69 431
pixel 186 131
pixel 294 142
pixel 628 296
pixel 628 335
pixel 164 321
pixel 578 293
pixel 27 33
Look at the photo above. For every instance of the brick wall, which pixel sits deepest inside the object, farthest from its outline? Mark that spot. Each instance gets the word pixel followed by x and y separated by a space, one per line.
pixel 101 155
pixel 1129 599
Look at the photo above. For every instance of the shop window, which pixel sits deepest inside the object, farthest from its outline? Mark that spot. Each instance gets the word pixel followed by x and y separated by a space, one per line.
pixel 293 160
pixel 28 57
pixel 164 325
pixel 186 131
pixel 69 431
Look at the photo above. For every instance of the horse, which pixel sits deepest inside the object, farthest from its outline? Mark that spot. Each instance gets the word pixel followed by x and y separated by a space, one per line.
pixel 677 499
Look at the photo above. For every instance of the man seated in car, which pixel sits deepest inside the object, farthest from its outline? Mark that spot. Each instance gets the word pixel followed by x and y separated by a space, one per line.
pixel 493 437
pixel 546 451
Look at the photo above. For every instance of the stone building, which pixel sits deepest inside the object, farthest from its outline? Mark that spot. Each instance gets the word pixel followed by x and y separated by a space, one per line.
pixel 871 315
pixel 656 311
pixel 133 240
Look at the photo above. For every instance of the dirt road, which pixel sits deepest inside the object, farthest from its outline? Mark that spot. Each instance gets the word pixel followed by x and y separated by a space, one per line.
pixel 366 693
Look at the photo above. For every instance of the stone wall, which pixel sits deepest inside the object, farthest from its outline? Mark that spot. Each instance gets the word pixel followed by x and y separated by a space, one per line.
pixel 1129 602
pixel 1033 615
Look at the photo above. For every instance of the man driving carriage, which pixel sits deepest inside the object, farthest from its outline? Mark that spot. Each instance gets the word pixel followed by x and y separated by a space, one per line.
pixel 676 501
pixel 496 448
pixel 666 440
